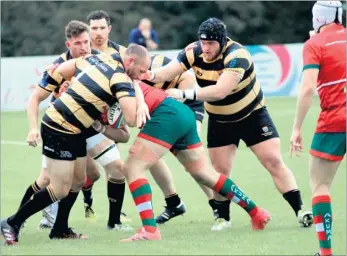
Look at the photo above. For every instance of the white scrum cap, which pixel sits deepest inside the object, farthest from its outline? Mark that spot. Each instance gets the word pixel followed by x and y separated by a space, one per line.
pixel 325 12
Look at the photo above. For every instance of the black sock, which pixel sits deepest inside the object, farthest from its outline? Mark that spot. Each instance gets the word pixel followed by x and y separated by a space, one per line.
pixel 293 197
pixel 115 193
pixel 87 195
pixel 173 200
pixel 212 203
pixel 31 190
pixel 222 209
pixel 64 208
pixel 39 201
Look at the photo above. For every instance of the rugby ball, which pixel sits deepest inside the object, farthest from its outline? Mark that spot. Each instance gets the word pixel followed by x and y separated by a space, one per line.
pixel 115 116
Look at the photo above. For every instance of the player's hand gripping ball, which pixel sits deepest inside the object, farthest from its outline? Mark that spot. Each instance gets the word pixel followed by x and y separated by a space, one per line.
pixel 114 116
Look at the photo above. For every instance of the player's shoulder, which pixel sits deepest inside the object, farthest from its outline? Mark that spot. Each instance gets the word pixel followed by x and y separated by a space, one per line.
pixel 93 51
pixel 63 57
pixel 233 47
pixel 115 46
pixel 315 41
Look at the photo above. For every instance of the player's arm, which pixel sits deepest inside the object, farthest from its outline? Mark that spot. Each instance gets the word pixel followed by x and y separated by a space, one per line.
pixel 64 71
pixel 122 89
pixel 35 99
pixel 142 111
pixel 235 65
pixel 311 57
pixel 119 135
pixel 307 90
pixel 175 67
pixel 45 87
pixel 187 81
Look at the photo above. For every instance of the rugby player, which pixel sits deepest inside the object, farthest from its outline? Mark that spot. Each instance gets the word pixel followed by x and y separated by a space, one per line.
pixel 100 28
pixel 160 171
pixel 103 81
pixel 324 59
pixel 159 136
pixel 236 107
pixel 107 155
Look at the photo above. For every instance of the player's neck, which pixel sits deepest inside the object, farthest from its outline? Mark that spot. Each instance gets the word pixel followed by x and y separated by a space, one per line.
pixel 102 47
pixel 326 27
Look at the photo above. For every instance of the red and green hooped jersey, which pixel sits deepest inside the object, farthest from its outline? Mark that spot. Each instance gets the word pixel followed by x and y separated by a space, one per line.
pixel 326 51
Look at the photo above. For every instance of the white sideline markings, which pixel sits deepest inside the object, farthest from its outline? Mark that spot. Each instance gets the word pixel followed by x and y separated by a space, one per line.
pixel 14 142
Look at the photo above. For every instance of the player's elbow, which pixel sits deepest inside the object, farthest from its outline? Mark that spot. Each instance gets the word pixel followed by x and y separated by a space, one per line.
pixel 221 94
pixel 308 91
pixel 130 120
pixel 125 137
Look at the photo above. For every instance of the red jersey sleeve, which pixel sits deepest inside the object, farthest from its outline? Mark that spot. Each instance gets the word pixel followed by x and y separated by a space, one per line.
pixel 311 55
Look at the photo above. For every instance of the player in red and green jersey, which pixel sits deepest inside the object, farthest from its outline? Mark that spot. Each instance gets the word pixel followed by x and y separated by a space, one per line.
pixel 324 58
pixel 159 136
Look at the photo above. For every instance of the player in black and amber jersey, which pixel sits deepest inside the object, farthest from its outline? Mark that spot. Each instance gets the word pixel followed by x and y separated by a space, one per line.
pixel 234 102
pixel 78 43
pixel 100 28
pixel 98 81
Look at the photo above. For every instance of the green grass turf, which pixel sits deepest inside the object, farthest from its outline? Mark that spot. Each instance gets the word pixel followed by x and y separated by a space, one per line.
pixel 190 234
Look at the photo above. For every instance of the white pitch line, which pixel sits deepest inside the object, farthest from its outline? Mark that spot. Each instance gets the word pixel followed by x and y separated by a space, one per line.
pixel 14 142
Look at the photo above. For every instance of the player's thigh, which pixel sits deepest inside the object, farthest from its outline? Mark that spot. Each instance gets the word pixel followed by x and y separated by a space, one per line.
pixel 103 150
pixel 327 152
pixel 196 164
pixel 61 151
pixel 257 128
pixel 169 122
pixel 329 146
pixel 143 154
pixel 222 142
pixel 92 171
pixel 80 170
pixel 322 173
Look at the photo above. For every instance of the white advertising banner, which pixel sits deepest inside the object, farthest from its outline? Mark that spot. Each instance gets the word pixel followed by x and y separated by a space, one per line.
pixel 278 69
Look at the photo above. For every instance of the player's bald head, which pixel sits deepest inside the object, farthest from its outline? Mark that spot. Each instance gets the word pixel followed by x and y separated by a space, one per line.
pixel 136 61
pixel 138 52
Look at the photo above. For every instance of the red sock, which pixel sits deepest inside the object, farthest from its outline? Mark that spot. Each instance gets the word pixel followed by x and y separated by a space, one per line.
pixel 88 183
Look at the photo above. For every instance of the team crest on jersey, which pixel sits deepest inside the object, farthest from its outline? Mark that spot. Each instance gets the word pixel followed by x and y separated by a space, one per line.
pixel 266 131
pixel 199 72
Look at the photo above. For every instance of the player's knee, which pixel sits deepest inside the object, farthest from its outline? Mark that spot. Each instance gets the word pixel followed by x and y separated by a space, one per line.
pixel 223 167
pixel 93 173
pixel 143 153
pixel 61 190
pixel 115 170
pixel 274 164
pixel 43 180
pixel 195 166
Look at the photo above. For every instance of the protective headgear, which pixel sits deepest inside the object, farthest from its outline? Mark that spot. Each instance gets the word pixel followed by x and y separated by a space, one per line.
pixel 215 30
pixel 325 12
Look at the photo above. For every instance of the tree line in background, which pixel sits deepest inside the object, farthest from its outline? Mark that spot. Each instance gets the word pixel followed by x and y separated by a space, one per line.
pixel 37 28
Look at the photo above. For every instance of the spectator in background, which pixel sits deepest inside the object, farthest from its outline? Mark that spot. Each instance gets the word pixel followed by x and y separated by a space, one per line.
pixel 144 35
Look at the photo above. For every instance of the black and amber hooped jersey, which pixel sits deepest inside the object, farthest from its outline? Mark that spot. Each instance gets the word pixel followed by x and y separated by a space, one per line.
pixel 245 98
pixel 114 48
pixel 99 82
pixel 44 83
pixel 158 61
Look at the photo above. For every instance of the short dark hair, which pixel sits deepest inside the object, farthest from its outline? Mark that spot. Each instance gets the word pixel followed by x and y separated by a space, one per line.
pixel 99 15
pixel 75 28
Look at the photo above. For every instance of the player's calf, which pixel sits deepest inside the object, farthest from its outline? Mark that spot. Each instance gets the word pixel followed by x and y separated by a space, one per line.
pixel 197 165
